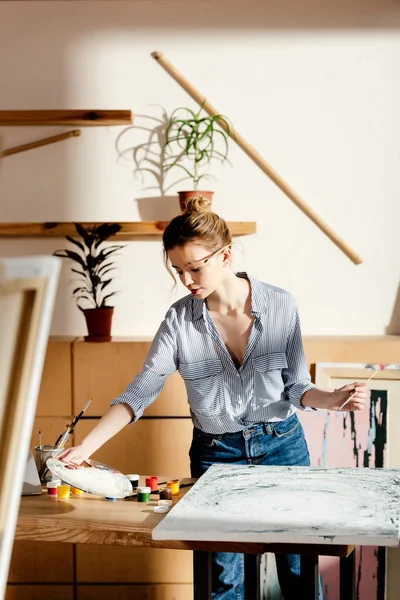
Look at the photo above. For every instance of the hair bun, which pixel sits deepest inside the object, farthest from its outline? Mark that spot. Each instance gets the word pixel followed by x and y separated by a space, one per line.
pixel 197 204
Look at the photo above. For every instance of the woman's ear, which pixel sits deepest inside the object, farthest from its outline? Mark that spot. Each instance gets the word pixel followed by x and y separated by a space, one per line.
pixel 227 256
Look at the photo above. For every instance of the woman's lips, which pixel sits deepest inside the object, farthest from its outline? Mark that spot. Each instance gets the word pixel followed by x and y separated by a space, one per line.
pixel 195 292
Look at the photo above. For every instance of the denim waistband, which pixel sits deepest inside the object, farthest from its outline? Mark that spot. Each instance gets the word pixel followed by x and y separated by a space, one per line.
pixel 253 428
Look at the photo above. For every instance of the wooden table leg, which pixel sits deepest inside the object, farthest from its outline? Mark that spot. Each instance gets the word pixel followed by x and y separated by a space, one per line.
pixel 309 577
pixel 348 577
pixel 202 575
pixel 252 584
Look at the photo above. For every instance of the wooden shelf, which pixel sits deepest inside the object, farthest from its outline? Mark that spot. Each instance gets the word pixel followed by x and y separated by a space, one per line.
pixel 65 117
pixel 129 231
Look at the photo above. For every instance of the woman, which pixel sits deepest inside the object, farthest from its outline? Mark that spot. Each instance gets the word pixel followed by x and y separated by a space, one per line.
pixel 237 344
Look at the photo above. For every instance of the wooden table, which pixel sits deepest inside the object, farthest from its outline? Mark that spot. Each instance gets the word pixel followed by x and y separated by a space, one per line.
pixel 93 520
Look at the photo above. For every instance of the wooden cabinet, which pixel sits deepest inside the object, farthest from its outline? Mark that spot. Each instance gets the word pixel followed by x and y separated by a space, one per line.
pixel 33 562
pixel 134 592
pixel 114 564
pixel 384 349
pixel 157 444
pixel 104 370
pixel 148 447
pixel 38 592
pixel 55 395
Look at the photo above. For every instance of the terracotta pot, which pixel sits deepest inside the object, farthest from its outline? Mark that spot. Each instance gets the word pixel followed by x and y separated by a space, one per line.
pixel 184 196
pixel 98 321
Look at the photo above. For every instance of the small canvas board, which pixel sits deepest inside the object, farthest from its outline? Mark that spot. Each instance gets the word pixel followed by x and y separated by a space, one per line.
pixel 31 484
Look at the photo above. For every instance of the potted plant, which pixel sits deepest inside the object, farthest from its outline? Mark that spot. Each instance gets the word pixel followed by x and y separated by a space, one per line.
pixel 192 141
pixel 94 265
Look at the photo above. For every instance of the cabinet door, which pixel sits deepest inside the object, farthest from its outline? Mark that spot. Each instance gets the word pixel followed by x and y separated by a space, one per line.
pixel 115 564
pixel 55 395
pixel 31 561
pixel 148 447
pixel 103 371
pixel 38 592
pixel 134 592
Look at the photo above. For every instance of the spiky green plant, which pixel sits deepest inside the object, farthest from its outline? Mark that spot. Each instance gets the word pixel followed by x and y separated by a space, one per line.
pixel 94 263
pixel 193 140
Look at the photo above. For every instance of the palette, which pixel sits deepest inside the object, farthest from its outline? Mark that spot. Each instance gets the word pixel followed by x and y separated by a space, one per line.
pixel 93 477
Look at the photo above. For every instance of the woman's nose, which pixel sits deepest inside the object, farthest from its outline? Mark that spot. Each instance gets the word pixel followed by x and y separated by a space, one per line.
pixel 187 279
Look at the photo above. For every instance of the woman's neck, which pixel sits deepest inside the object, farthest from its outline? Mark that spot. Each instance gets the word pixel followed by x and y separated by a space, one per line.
pixel 232 296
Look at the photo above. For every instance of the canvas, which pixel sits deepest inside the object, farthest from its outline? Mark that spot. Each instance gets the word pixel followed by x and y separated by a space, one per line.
pixel 358 439
pixel 27 292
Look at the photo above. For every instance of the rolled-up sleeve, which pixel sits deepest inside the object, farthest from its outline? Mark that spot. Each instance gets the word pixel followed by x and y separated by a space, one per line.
pixel 161 361
pixel 296 377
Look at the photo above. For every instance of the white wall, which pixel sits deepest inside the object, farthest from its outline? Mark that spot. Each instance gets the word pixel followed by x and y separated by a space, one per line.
pixel 314 89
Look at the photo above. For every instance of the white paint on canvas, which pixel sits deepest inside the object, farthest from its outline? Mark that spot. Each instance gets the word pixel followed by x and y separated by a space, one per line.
pixel 288 504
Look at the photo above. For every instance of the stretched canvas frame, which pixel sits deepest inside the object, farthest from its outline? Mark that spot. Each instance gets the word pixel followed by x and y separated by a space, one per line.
pixel 27 293
pixel 333 375
pixel 363 439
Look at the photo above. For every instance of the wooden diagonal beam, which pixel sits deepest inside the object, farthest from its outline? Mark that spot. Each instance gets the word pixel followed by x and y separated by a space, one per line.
pixel 258 159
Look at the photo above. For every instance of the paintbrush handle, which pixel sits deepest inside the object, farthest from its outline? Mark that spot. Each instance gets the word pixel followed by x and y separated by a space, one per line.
pixel 348 400
pixel 352 395
pixel 76 419
pixel 60 436
pixel 64 438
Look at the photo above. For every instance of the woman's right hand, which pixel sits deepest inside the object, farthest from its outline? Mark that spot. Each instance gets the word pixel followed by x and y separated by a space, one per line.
pixel 74 456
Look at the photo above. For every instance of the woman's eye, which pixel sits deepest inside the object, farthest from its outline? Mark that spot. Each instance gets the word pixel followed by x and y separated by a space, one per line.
pixel 196 270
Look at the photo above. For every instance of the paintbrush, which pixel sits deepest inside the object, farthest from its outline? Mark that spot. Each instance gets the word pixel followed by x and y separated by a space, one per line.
pixel 63 437
pixel 352 396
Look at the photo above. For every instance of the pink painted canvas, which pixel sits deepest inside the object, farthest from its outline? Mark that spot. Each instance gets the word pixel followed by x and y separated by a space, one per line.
pixel 351 440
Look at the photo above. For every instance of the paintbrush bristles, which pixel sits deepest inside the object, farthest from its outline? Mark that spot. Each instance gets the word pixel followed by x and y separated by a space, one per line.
pixel 354 393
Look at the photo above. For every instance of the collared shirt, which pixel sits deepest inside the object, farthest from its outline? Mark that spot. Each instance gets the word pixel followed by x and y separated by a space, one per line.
pixel 223 398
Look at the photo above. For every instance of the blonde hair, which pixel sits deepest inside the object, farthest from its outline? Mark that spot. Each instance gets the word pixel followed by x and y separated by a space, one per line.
pixel 196 223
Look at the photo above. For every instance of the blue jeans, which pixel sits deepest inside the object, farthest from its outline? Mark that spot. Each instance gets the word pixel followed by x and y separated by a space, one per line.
pixel 280 444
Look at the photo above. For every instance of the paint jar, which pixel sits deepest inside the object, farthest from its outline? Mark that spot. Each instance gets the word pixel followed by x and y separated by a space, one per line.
pixel 42 453
pixel 152 482
pixel 143 494
pixel 174 485
pixel 166 493
pixel 76 491
pixel 52 487
pixel 161 509
pixel 63 491
pixel 134 479
pixel 165 503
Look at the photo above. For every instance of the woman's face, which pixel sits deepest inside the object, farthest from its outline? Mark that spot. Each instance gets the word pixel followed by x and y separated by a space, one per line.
pixel 200 270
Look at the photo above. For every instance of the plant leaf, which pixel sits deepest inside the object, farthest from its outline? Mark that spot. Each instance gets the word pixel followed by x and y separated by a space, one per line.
pixel 103 284
pixel 71 255
pixel 79 289
pixel 79 272
pixel 104 254
pixel 86 235
pixel 100 267
pixel 106 298
pixel 105 231
pixel 107 271
pixel 71 239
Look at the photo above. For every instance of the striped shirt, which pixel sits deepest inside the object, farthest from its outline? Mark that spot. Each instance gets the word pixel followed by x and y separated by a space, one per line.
pixel 223 398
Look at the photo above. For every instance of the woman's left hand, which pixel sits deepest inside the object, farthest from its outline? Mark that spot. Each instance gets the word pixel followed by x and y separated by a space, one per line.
pixel 358 391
